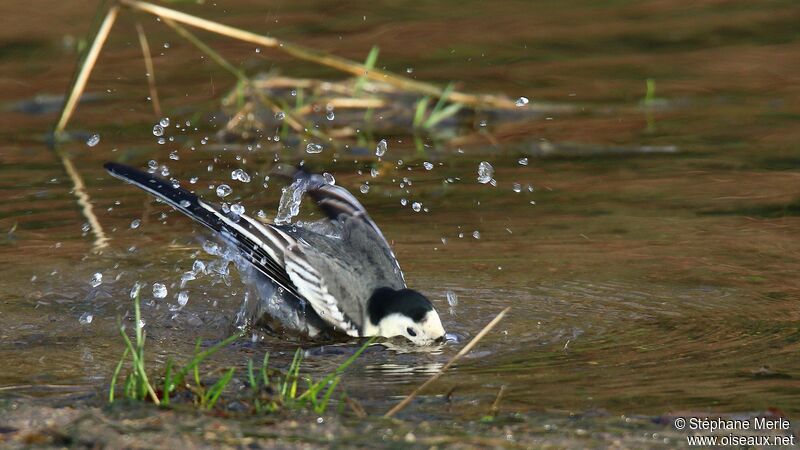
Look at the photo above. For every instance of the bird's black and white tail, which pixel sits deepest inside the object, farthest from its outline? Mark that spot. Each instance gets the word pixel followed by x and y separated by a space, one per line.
pixel 264 246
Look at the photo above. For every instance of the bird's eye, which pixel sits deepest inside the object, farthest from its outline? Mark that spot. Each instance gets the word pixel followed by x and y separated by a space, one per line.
pixel 411 332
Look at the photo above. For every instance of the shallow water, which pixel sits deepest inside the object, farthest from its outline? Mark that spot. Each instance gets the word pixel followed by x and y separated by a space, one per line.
pixel 639 283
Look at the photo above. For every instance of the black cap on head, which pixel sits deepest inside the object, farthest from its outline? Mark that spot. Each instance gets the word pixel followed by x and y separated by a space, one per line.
pixel 385 301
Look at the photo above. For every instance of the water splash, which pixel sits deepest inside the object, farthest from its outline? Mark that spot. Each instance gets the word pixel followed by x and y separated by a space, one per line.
pixel 223 190
pixel 97 279
pixel 159 290
pixel 289 205
pixel 485 172
pixel 240 175
pixel 94 140
pixel 380 150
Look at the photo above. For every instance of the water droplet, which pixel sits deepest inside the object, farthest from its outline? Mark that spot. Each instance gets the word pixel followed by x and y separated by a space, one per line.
pixel 364 188
pixel 185 203
pixel 522 101
pixel 97 279
pixel 476 234
pixel 280 115
pixel 380 150
pixel 193 180
pixel 330 116
pixel 240 175
pixel 223 190
pixel 85 318
pixel 135 289
pixel 183 298
pixel 427 165
pixel 294 92
pixel 313 148
pixel 452 298
pixel 204 141
pixel 135 223
pixel 161 141
pixel 174 156
pixel 289 205
pixel 158 130
pixel 329 178
pixel 403 201
pixel 164 122
pixel 374 172
pixel 94 140
pixel 198 266
pixel 159 290
pixel 258 50
pixel 517 187
pixel 523 161
pixel 409 70
pixel 482 123
pixel 416 206
pixel 211 247
pixel 485 172
pixel 237 209
pixel 152 165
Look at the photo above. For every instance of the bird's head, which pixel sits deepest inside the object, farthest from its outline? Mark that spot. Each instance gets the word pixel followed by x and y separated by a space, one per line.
pixel 406 313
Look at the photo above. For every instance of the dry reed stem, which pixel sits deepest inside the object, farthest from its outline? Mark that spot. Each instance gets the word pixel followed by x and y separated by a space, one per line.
pixel 308 54
pixel 86 69
pixel 467 348
pixel 290 119
pixel 151 73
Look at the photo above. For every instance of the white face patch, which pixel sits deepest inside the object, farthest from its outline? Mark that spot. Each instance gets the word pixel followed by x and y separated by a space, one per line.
pixel 425 332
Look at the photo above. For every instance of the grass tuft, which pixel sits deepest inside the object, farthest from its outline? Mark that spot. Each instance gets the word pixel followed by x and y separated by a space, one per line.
pixel 270 390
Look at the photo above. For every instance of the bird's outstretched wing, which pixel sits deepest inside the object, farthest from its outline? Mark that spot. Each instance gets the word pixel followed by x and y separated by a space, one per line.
pixel 339 204
pixel 261 245
pixel 269 248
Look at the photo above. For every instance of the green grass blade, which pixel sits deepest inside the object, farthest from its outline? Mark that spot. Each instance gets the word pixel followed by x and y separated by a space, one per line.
pixel 200 357
pixel 327 398
pixel 443 98
pixel 264 373
pixel 419 113
pixel 115 375
pixel 196 369
pixel 139 376
pixel 437 116
pixel 168 386
pixel 216 390
pixel 287 378
pixel 250 377
pixel 339 370
pixel 369 64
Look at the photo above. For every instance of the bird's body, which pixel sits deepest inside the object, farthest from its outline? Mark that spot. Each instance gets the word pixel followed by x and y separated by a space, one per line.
pixel 343 279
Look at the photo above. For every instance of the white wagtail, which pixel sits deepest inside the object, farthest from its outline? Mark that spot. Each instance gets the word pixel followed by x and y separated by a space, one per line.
pixel 352 281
